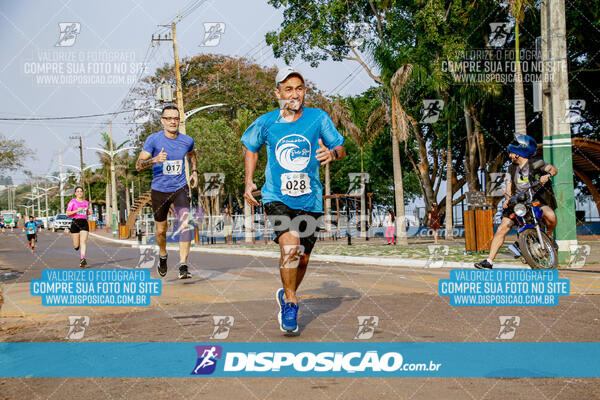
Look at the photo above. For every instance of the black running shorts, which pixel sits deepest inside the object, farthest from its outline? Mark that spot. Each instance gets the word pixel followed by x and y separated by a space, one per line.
pixel 78 225
pixel 161 202
pixel 285 219
pixel 30 237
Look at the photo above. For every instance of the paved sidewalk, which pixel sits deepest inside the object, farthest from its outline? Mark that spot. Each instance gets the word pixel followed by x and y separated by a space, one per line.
pixel 420 252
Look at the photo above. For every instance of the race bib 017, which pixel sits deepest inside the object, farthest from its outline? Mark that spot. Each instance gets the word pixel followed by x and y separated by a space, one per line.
pixel 295 184
pixel 172 167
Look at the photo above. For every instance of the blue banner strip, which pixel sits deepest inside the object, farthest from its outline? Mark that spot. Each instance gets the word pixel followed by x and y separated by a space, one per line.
pixel 281 359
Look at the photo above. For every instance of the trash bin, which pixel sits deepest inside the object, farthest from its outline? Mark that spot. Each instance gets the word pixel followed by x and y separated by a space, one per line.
pixel 123 232
pixel 479 229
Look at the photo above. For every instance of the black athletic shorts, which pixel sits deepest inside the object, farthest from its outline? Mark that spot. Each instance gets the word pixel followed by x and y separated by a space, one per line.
pixel 30 237
pixel 285 219
pixel 161 202
pixel 78 225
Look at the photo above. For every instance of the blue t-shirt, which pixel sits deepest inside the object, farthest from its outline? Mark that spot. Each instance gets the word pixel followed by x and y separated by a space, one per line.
pixel 169 176
pixel 30 227
pixel 292 173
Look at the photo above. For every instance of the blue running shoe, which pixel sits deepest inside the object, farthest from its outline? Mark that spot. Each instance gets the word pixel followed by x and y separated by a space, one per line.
pixel 281 302
pixel 288 318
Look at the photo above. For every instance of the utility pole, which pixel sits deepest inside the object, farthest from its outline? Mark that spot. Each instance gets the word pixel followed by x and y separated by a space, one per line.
pixel 9 198
pixel 46 199
pixel 37 190
pixel 178 80
pixel 113 184
pixel 179 91
pixel 80 158
pixel 556 125
pixel 449 193
pixel 60 182
pixel 32 198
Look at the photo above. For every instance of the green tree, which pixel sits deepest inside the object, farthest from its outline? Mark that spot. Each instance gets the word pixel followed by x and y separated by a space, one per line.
pixel 105 170
pixel 13 153
pixel 517 10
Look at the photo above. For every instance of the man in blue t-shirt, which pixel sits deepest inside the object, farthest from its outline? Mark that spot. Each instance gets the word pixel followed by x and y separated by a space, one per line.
pixel 165 151
pixel 30 228
pixel 298 140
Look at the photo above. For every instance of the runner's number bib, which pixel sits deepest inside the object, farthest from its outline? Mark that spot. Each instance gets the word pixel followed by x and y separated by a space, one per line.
pixel 172 167
pixel 295 184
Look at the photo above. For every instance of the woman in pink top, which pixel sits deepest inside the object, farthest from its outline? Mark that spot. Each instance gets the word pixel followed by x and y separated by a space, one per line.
pixel 78 210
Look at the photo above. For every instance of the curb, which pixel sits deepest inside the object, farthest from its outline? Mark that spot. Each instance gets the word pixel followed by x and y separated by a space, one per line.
pixel 120 241
pixel 379 261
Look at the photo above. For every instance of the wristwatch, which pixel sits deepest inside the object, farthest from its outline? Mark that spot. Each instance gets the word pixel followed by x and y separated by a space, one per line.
pixel 335 154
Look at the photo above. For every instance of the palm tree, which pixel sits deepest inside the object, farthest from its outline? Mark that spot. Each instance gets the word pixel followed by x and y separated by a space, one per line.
pixel 105 161
pixel 347 117
pixel 400 132
pixel 517 10
pixel 98 176
pixel 122 165
pixel 242 121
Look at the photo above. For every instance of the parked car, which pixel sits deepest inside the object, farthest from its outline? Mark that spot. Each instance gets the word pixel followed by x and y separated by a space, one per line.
pixel 10 219
pixel 61 221
pixel 40 223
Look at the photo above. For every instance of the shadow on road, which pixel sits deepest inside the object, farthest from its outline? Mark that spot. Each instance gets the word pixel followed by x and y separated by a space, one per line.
pixel 333 296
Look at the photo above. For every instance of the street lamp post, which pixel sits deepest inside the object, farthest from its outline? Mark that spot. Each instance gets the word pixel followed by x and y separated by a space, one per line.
pixel 61 179
pixel 33 197
pixel 38 196
pixel 46 196
pixel 26 208
pixel 81 175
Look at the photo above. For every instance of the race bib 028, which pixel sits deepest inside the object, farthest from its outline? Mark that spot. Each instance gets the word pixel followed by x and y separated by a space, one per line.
pixel 172 167
pixel 295 184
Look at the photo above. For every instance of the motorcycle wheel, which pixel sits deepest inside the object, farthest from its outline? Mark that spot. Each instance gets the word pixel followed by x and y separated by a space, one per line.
pixel 538 256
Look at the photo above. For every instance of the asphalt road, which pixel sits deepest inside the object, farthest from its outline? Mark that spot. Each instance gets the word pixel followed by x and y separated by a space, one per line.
pixel 243 287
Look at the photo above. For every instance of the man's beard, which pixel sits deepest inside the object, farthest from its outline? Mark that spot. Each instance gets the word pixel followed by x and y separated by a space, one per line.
pixel 291 105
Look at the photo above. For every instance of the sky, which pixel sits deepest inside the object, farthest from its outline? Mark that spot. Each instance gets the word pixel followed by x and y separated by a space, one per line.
pixel 46 73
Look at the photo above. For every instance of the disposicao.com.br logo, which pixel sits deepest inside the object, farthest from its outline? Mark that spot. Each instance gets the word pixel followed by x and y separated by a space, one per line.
pixel 314 363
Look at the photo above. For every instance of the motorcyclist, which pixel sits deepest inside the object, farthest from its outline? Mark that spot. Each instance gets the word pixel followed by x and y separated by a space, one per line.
pixel 517 180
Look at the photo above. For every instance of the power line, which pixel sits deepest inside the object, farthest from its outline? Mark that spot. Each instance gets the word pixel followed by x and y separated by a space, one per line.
pixel 252 50
pixel 67 117
pixel 343 83
pixel 62 123
pixel 192 8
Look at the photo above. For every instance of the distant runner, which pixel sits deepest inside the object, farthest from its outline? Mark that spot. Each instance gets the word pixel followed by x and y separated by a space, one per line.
pixel 30 228
pixel 165 152
pixel 298 139
pixel 78 209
